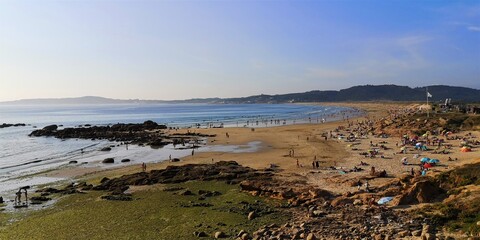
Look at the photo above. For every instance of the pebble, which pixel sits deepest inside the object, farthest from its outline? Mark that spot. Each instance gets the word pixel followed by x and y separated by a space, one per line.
pixel 311 236
pixel 252 215
pixel 220 234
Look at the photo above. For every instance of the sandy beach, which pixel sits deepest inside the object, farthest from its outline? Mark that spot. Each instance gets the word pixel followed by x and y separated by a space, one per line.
pixel 282 146
pixel 306 158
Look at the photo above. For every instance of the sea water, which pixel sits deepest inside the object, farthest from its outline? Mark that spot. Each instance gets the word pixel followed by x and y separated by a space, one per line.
pixel 21 155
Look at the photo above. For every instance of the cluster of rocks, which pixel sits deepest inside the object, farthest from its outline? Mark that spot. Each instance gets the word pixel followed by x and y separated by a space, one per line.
pixel 318 213
pixel 296 194
pixel 68 189
pixel 229 171
pixel 147 133
pixel 45 193
pixel 5 125
pixel 407 190
pixel 352 222
pixel 414 122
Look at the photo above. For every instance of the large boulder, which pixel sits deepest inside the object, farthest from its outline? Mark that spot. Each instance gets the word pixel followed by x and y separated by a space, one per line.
pixel 423 191
pixel 50 128
pixel 108 160
pixel 106 149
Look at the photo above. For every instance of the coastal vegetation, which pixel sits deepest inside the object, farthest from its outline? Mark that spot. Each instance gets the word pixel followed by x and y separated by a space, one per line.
pixel 161 211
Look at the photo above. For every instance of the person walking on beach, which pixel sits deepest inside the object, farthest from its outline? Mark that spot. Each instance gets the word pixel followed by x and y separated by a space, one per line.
pixel 144 167
pixel 298 164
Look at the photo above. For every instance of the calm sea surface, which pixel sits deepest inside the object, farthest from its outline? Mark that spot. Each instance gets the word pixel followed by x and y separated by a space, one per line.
pixel 21 155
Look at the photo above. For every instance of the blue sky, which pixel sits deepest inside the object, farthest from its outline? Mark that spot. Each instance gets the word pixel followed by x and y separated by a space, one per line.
pixel 190 49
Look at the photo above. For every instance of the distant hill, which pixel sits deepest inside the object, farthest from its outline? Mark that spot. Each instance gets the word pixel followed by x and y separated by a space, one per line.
pixel 357 93
pixel 78 100
pixel 369 93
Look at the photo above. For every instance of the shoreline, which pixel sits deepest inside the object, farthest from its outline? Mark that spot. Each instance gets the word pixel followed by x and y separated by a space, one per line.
pixel 336 156
pixel 59 167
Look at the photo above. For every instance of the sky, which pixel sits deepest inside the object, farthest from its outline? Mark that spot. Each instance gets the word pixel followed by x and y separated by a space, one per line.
pixel 198 49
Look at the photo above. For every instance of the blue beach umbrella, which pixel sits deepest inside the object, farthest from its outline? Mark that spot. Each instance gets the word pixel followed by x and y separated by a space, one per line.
pixel 434 161
pixel 424 160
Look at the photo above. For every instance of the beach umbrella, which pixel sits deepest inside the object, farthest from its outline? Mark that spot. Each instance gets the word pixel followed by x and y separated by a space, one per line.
pixel 424 160
pixel 427 165
pixel 419 144
pixel 384 200
pixel 434 161
pixel 402 148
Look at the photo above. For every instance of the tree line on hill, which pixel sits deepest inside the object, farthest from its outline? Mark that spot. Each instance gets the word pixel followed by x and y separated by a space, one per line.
pixel 369 93
pixel 353 94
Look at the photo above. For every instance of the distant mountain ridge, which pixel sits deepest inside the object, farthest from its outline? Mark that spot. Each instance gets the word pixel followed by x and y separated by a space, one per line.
pixel 356 93
pixel 369 93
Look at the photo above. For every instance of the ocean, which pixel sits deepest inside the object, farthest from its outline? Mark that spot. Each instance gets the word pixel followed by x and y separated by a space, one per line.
pixel 21 155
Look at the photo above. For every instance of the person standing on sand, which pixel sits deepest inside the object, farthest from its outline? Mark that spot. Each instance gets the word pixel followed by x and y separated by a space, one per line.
pixel 144 167
pixel 298 164
pixel 18 196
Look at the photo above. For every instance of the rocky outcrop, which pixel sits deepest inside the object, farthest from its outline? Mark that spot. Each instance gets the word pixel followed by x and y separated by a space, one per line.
pixel 352 222
pixel 69 189
pixel 5 125
pixel 147 133
pixel 49 128
pixel 423 191
pixel 229 171
pixel 119 130
pixel 296 194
